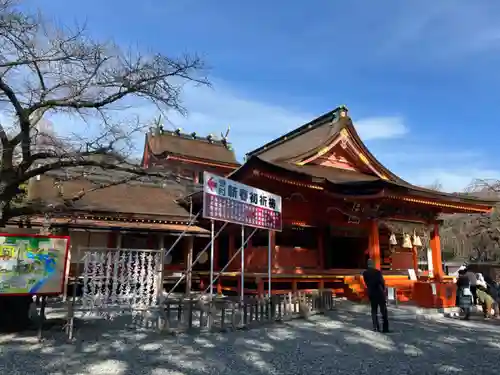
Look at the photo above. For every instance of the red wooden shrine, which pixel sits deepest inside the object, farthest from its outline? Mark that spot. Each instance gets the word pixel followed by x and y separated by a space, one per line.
pixel 338 203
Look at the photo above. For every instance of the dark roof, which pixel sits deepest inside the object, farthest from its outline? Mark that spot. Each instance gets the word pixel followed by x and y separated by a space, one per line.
pixel 130 199
pixel 191 147
pixel 334 175
pixel 283 153
pixel 311 137
pixel 344 181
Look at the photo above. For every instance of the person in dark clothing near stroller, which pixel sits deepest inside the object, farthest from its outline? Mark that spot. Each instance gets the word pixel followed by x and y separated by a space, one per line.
pixel 375 286
pixel 464 293
pixel 493 290
pixel 472 284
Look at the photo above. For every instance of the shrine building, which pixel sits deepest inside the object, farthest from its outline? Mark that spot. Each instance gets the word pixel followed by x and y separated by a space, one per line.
pixel 340 207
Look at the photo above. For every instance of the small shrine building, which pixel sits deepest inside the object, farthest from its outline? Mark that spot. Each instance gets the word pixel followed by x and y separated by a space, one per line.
pixel 134 214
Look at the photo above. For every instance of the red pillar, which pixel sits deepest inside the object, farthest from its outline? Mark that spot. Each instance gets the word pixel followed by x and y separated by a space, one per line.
pixel 415 259
pixel 112 239
pixel 216 255
pixel 321 251
pixel 374 243
pixel 437 261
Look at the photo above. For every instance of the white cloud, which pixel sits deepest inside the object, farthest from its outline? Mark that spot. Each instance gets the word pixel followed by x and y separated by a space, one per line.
pixel 444 29
pixel 254 122
pixel 381 127
pixel 214 109
pixel 421 155
pixel 454 179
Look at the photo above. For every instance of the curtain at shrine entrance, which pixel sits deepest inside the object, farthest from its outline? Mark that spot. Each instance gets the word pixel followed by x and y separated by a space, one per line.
pixel 345 248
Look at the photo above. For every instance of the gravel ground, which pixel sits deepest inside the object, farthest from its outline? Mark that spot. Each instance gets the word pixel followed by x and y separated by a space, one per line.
pixel 340 343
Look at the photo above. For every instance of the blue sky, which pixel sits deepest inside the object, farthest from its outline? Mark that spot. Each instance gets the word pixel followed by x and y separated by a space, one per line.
pixel 421 79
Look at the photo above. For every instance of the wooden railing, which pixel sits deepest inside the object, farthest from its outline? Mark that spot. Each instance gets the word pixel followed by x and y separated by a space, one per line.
pixel 222 314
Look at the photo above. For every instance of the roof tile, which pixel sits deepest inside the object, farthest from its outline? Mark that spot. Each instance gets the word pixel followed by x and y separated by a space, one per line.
pixel 139 200
pixel 185 145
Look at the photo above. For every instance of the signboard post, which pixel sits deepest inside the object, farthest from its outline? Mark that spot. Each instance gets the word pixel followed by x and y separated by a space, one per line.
pixel 242 275
pixel 32 264
pixel 233 202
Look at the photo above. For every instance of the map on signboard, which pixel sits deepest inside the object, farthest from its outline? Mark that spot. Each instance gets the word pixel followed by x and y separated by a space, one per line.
pixel 32 264
pixel 228 200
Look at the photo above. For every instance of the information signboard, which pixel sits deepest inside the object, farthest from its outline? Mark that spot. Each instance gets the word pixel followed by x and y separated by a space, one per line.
pixel 231 201
pixel 32 264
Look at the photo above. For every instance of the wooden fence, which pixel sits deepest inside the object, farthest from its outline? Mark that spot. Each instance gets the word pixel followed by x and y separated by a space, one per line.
pixel 223 314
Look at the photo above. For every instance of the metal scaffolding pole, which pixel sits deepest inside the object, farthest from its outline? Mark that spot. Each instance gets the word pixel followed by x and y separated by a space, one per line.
pixel 191 222
pixel 189 269
pixel 242 250
pixel 212 252
pixel 269 265
pixel 233 257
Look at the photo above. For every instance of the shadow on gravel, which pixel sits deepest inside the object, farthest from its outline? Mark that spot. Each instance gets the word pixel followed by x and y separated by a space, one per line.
pixel 340 343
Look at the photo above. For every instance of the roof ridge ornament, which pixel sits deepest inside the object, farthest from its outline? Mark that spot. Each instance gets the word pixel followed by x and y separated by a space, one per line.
pixel 224 138
pixel 343 110
pixel 157 129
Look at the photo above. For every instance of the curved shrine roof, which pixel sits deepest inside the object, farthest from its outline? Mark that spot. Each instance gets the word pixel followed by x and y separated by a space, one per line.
pixel 191 147
pixel 295 150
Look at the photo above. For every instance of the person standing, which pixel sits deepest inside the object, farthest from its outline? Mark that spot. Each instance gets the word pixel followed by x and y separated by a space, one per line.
pixel 488 303
pixel 464 294
pixel 375 286
pixel 473 285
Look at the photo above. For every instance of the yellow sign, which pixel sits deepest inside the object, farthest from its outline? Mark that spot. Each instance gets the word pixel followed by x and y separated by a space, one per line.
pixel 32 264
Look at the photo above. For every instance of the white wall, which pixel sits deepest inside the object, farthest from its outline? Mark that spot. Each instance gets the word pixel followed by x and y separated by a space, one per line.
pixel 86 239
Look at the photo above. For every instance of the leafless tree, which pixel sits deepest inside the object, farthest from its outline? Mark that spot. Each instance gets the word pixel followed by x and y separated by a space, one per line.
pixel 478 235
pixel 485 230
pixel 436 185
pixel 47 72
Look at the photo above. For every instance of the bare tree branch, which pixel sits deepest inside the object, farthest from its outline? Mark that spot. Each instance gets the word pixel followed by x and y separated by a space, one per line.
pixel 475 237
pixel 47 72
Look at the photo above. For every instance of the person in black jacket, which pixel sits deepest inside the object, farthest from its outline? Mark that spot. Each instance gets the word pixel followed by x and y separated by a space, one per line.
pixel 464 293
pixel 375 286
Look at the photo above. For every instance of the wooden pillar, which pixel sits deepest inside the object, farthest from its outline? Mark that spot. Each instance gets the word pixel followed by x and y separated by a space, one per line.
pixel 216 254
pixel 150 242
pixel 415 259
pixel 321 250
pixel 374 241
pixel 231 252
pixel 112 240
pixel 119 240
pixel 274 258
pixel 437 262
pixel 189 263
pixel 260 286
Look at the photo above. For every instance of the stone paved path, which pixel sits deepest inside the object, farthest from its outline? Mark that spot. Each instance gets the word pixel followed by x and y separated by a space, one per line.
pixel 340 343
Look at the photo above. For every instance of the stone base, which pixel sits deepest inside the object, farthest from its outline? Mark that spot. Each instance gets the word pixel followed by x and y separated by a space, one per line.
pixel 14 313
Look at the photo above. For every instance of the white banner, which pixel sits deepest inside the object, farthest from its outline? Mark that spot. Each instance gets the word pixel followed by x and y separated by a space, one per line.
pixel 231 201
pixel 226 188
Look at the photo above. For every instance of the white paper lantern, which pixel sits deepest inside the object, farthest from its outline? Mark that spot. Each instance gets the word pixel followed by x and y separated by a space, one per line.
pixel 392 240
pixel 417 242
pixel 407 241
